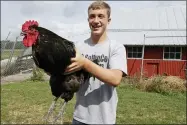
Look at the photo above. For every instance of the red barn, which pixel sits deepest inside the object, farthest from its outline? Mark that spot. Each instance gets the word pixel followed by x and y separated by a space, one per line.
pixel 154 38
pixel 167 59
pixel 153 58
pixel 154 52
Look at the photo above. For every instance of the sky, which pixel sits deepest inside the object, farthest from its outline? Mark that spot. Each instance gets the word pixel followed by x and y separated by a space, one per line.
pixel 62 17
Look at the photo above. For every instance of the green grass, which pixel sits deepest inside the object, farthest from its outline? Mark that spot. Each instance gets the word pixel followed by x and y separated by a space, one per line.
pixel 6 53
pixel 27 102
pixel 138 107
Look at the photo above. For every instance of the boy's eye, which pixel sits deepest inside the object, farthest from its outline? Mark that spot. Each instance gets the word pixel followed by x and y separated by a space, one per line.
pixel 91 16
pixel 101 16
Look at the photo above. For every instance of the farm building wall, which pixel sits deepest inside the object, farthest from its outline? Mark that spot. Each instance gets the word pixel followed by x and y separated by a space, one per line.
pixel 152 52
pixel 154 63
pixel 184 53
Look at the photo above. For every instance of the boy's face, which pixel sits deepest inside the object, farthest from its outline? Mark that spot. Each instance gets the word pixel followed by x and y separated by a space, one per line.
pixel 98 21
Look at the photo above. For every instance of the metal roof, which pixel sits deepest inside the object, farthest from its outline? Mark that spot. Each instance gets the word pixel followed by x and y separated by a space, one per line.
pixel 172 17
pixel 161 26
pixel 151 37
pixel 165 38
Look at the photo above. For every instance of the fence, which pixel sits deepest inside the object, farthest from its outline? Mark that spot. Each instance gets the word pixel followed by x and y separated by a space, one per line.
pixel 15 58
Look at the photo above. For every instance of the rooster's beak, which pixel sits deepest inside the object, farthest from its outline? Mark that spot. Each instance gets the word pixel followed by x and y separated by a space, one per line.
pixel 22 33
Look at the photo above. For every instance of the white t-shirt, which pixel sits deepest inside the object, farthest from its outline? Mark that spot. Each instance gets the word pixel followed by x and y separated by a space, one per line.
pixel 96 102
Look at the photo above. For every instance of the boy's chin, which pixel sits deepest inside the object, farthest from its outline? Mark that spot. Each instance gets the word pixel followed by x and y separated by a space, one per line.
pixel 97 33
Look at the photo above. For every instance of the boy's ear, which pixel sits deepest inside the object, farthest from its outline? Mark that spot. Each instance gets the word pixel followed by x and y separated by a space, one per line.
pixel 109 19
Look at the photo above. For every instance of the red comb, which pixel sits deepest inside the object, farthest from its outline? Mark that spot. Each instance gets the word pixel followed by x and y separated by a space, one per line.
pixel 26 25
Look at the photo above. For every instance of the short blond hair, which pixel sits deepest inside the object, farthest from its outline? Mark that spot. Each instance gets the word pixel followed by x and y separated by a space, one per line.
pixel 100 5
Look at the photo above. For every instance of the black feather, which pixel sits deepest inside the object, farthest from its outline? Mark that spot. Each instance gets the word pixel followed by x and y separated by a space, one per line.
pixel 52 53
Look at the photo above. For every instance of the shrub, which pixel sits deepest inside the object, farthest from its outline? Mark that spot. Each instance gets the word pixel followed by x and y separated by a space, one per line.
pixel 156 84
pixel 38 74
pixel 159 84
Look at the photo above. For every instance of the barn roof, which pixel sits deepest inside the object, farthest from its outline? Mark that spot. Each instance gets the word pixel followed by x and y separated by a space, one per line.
pixel 151 37
pixel 172 17
pixel 161 26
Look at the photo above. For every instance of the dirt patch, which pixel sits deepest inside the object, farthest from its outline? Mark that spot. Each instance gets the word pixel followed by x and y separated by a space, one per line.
pixel 19 77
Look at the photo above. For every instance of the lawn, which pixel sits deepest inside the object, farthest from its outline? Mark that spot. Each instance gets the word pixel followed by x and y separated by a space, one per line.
pixel 6 53
pixel 27 102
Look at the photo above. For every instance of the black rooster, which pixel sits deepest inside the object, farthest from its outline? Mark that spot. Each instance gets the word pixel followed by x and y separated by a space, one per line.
pixel 53 54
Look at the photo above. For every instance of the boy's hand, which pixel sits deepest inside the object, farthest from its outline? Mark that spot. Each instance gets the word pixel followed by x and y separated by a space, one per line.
pixel 77 63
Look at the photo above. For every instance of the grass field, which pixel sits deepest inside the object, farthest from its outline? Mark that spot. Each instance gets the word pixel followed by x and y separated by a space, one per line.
pixel 6 53
pixel 27 102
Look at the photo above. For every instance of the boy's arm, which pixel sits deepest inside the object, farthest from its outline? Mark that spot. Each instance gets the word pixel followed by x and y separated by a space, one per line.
pixel 112 76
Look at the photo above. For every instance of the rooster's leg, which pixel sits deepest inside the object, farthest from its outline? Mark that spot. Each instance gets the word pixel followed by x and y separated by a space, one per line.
pixel 50 109
pixel 61 112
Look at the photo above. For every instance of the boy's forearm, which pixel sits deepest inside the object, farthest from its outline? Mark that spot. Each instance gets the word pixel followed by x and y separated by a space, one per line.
pixel 112 77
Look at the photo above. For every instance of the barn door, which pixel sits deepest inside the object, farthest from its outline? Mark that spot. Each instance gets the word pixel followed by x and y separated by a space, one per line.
pixel 152 69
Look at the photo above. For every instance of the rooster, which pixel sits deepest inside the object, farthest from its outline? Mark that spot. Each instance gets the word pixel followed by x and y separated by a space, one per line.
pixel 53 54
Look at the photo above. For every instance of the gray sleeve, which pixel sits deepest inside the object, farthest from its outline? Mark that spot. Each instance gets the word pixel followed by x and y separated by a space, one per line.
pixel 118 59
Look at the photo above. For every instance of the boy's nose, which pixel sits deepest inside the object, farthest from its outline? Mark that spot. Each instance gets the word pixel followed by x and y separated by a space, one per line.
pixel 96 20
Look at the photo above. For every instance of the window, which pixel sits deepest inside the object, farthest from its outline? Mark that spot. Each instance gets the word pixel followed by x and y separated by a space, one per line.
pixel 134 52
pixel 172 53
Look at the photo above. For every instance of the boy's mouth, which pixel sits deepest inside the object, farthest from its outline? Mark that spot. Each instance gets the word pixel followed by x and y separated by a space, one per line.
pixel 95 27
